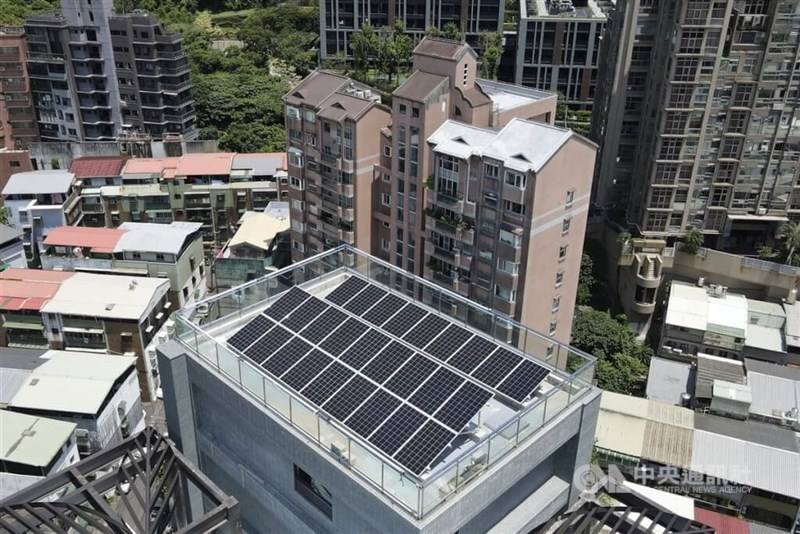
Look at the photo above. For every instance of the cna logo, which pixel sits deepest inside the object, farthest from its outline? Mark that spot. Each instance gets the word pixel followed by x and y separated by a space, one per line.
pixel 592 478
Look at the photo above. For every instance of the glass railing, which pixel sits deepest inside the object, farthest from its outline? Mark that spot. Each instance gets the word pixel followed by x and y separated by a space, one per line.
pixel 197 325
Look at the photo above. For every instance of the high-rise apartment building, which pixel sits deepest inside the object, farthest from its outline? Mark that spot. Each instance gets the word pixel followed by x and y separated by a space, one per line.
pixel 710 139
pixel 96 74
pixel 474 187
pixel 338 19
pixel 17 118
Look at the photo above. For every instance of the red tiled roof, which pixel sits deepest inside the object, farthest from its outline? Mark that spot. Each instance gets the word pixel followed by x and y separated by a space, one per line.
pixel 721 522
pixel 149 165
pixel 99 167
pixel 28 289
pixel 215 164
pixel 96 239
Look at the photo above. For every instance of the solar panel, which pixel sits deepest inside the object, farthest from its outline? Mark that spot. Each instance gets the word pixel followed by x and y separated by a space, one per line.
pixel 365 300
pixel 349 398
pixel 436 390
pixel 307 312
pixel 306 369
pixel 387 362
pixel 444 346
pixel 286 303
pixel 413 373
pixel 523 381
pixel 497 366
pixel 250 332
pixel 403 424
pixel 269 343
pixel 404 320
pixel 327 383
pixel 372 413
pixel 323 325
pixel 427 329
pixel 426 445
pixel 462 407
pixel 385 308
pixel 364 349
pixel 346 290
pixel 472 354
pixel 344 336
pixel 286 356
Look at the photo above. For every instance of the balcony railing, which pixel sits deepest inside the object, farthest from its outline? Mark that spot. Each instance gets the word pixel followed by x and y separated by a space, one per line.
pixel 418 496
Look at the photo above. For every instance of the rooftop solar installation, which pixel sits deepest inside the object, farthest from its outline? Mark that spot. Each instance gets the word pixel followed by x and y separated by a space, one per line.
pixel 406 379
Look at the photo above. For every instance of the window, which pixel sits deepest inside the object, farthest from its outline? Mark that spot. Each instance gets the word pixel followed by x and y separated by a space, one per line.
pixel 415 112
pixel 492 171
pixel 570 197
pixel 447 174
pixel 556 304
pixel 559 278
pixel 514 207
pixel 386 199
pixel 387 151
pixel 295 158
pixel 553 328
pixel 311 116
pixel 316 494
pixel 562 252
pixel 13 163
pixel 298 246
pixel 507 266
pixel 401 109
pixel 385 245
pixel 311 139
pixel 510 239
pixel 296 182
pixel 292 112
pixel 565 224
pixel 515 179
pixel 387 178
pixel 505 293
pixel 298 205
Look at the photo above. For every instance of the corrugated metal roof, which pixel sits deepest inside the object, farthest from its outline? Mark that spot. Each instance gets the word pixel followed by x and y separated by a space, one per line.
pixel 667 444
pixel 745 462
pixel 620 433
pixel 772 395
pixel 710 368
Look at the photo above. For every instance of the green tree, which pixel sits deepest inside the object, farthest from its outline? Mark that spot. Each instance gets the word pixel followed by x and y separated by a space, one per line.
pixel 452 32
pixel 365 44
pixel 693 241
pixel 491 45
pixel 511 11
pixel 791 241
pixel 586 280
pixel 622 361
pixel 13 12
pixel 3 215
pixel 253 137
pixel 394 50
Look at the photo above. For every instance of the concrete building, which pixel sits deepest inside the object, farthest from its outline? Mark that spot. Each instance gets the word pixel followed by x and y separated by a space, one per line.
pixel 112 314
pixel 37 202
pixel 13 161
pixel 18 126
pixel 12 253
pixel 32 448
pixel 172 251
pixel 97 75
pixel 98 393
pixel 298 459
pixel 707 142
pixel 213 189
pixel 713 321
pixel 558 45
pixel 745 467
pixel 453 194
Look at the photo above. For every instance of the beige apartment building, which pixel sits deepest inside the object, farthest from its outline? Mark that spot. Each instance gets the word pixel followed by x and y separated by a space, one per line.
pixel 473 187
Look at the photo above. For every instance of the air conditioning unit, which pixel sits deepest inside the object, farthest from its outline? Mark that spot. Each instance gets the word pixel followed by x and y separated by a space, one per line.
pixel 761 211
pixel 170 327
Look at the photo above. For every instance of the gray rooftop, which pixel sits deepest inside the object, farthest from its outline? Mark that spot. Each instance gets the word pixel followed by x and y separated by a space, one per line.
pixel 39 183
pixel 419 85
pixel 710 368
pixel 441 48
pixel 667 380
pixel 266 164
pixel 750 431
pixel 9 233
pixel 149 237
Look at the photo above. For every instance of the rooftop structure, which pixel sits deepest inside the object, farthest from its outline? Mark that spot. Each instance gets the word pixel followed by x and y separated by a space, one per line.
pixel 775 392
pixel 669 380
pixel 39 183
pixel 89 168
pixel 135 472
pixel 31 440
pixel 390 387
pixel 257 230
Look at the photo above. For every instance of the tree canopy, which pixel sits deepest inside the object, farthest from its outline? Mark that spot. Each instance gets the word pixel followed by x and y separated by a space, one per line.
pixel 491 46
pixel 13 12
pixel 622 361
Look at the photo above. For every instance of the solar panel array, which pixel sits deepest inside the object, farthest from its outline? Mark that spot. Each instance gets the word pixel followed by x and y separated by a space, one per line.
pixel 343 353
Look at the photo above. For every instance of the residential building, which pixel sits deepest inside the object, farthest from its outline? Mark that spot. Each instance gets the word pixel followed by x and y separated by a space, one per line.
pixel 406 417
pixel 213 189
pixel 453 191
pixel 91 173
pixel 32 448
pixel 13 161
pixel 743 467
pixel 333 126
pixel 261 244
pixel 558 47
pixel 102 313
pixel 708 141
pixel 98 393
pixel 12 253
pixel 195 504
pixel 172 251
pixel 340 18
pixel 18 126
pixel 97 75
pixel 714 321
pixel 37 202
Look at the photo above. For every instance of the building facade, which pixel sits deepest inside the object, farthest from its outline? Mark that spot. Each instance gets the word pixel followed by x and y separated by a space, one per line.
pixel 18 126
pixel 373 463
pixel 709 142
pixel 452 196
pixel 97 75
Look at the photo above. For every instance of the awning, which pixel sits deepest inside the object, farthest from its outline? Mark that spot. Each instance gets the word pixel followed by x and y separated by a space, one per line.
pixel 749 217
pixel 21 325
